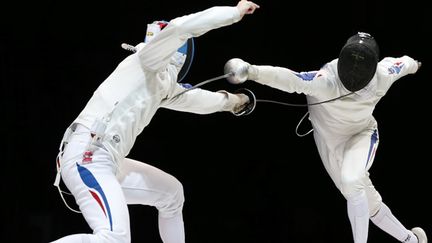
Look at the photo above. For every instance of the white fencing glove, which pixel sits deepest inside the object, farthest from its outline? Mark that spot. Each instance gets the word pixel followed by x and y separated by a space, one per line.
pixel 240 103
pixel 248 107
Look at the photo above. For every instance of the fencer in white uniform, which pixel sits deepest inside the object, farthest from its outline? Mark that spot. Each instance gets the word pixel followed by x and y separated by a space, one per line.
pixel 92 161
pixel 345 130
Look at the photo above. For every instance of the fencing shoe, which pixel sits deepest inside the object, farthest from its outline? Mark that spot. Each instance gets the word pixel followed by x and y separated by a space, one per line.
pixel 421 235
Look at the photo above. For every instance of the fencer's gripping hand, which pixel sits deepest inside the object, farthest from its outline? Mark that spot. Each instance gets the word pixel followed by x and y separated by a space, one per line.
pixel 247 102
pixel 241 102
pixel 246 7
pixel 237 69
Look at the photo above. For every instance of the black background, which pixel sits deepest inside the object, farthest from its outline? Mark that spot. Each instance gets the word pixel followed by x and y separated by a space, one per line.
pixel 246 179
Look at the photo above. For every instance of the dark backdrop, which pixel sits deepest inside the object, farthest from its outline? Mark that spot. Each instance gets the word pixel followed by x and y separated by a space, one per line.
pixel 246 179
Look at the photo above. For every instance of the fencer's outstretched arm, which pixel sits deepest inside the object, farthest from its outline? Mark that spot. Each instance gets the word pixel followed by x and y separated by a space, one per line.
pixel 156 54
pixel 201 101
pixel 313 82
pixel 276 77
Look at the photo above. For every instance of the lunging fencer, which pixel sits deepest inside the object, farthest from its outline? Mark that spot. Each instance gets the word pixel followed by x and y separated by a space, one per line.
pixel 345 130
pixel 92 161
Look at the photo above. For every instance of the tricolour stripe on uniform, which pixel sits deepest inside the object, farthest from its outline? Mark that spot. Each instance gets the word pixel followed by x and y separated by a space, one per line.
pixel 90 181
pixel 372 146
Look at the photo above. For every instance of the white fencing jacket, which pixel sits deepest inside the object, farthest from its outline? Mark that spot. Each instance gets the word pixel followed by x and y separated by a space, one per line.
pixel 147 80
pixel 348 115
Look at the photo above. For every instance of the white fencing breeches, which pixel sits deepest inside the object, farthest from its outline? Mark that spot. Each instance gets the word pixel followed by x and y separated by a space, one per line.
pixel 102 191
pixel 347 161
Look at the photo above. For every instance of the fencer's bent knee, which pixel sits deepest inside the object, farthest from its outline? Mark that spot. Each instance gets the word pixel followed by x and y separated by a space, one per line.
pixel 172 204
pixel 351 185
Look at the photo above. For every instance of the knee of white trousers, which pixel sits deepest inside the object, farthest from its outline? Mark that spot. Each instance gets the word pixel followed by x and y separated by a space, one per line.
pixel 172 204
pixel 114 236
pixel 351 185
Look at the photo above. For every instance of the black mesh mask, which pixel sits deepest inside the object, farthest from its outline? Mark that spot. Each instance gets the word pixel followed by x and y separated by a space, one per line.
pixel 358 61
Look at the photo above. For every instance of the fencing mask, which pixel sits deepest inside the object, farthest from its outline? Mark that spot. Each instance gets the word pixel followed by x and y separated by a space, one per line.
pixel 183 57
pixel 358 61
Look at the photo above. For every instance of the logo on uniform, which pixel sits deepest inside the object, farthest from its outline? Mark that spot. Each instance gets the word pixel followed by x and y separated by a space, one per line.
pixel 116 138
pixel 396 68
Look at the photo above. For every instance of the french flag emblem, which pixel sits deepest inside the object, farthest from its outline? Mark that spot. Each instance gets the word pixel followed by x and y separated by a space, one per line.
pixel 396 68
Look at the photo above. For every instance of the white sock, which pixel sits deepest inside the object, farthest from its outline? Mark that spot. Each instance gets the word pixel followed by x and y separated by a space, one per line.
pixel 386 221
pixel 358 213
pixel 171 230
